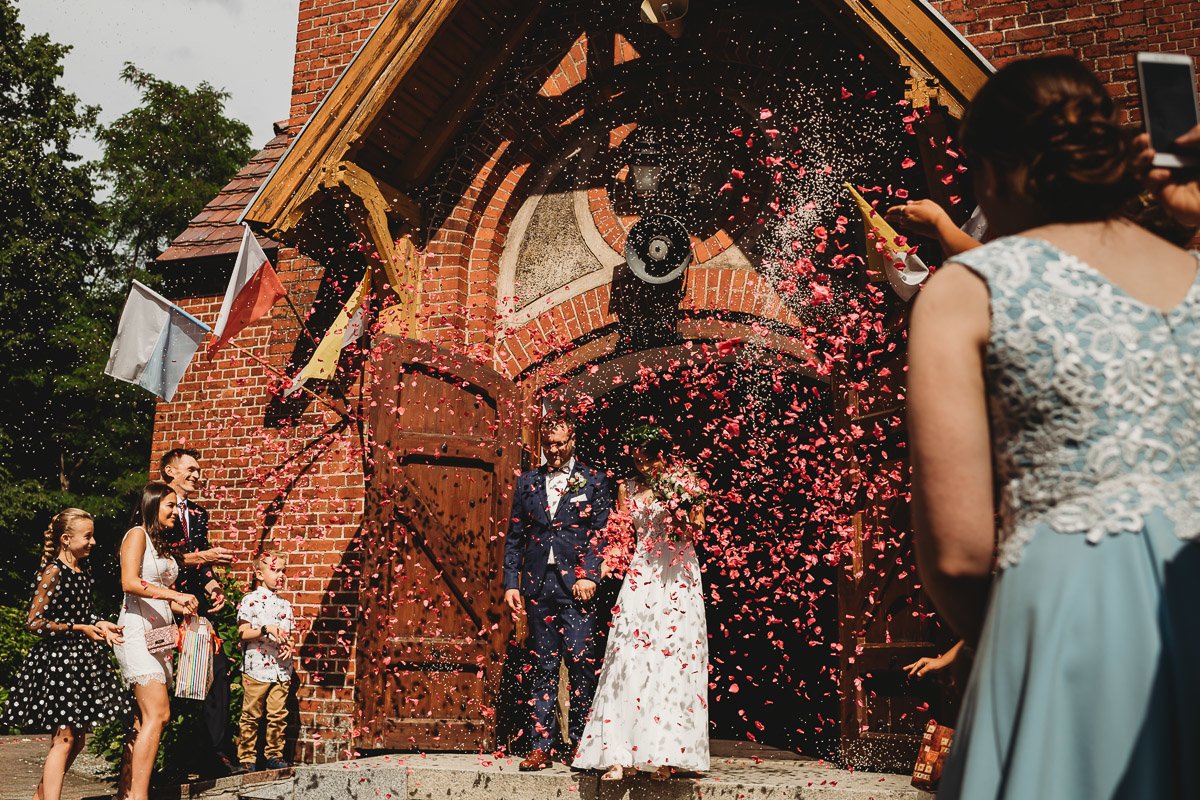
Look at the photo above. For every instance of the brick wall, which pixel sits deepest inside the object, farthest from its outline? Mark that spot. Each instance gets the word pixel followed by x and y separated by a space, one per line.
pixel 221 404
pixel 296 490
pixel 1106 35
pixel 328 34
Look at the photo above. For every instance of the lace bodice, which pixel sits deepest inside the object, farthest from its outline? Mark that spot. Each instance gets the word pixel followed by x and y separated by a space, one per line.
pixel 1094 398
pixel 649 516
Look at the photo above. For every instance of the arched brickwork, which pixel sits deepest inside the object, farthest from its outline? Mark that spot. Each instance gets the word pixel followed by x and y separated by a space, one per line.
pixel 713 289
pixel 530 123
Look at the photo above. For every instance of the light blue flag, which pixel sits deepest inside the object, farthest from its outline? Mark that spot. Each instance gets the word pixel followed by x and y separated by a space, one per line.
pixel 155 342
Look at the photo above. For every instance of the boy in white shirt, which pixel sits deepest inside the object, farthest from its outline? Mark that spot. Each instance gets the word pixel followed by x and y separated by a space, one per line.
pixel 265 626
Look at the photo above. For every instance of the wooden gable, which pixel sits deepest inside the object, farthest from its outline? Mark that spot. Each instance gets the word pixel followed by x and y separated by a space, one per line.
pixel 396 109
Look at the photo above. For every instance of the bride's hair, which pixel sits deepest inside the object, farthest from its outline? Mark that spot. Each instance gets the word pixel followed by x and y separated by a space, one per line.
pixel 652 440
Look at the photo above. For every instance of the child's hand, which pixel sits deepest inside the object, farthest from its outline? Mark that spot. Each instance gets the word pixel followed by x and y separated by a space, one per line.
pixel 283 637
pixel 922 217
pixel 93 632
pixel 111 631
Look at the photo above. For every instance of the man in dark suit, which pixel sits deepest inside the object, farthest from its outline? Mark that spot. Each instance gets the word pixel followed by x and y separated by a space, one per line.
pixel 552 557
pixel 180 467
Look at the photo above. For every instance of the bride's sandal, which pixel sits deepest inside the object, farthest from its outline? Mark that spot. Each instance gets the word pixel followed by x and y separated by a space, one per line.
pixel 661 774
pixel 614 773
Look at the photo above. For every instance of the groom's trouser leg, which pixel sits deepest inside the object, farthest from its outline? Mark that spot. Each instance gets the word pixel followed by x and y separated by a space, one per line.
pixel 546 645
pixel 581 641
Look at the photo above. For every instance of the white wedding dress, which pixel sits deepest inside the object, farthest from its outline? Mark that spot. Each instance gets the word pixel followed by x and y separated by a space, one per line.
pixel 651 707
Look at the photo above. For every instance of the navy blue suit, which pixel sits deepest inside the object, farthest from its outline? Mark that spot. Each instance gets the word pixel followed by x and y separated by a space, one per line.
pixel 559 625
pixel 191 533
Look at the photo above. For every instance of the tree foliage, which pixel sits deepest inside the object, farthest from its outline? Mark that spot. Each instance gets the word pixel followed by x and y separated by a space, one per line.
pixel 164 160
pixel 69 435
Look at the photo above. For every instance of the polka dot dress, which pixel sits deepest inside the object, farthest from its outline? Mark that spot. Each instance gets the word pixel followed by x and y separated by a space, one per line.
pixel 67 679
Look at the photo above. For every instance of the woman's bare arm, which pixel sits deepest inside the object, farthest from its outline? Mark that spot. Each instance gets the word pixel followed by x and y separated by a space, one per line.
pixel 951 446
pixel 133 549
pixel 927 218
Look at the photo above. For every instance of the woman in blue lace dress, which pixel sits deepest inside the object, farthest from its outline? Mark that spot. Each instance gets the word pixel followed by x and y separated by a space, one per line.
pixel 1056 372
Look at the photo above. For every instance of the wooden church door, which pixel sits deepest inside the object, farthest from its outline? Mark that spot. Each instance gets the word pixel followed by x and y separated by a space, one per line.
pixel 432 627
pixel 885 621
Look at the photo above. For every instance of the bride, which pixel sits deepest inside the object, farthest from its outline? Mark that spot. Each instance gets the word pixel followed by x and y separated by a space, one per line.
pixel 651 706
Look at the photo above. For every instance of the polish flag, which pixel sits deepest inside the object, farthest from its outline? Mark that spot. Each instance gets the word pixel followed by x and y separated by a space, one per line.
pixel 253 289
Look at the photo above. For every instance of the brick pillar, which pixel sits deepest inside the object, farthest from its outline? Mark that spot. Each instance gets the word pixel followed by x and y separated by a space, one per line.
pixel 328 34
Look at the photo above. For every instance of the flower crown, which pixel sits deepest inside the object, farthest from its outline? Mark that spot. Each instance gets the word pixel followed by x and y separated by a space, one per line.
pixel 644 434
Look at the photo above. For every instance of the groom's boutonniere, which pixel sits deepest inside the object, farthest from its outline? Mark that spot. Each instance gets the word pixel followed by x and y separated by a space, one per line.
pixel 576 483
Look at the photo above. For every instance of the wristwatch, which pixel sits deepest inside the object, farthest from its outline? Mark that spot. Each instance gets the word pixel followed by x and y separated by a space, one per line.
pixel 262 631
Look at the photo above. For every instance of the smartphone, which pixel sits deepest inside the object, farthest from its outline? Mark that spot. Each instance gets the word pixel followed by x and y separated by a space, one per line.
pixel 1169 104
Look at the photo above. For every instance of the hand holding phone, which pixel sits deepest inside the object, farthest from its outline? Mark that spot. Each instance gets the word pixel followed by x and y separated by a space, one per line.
pixel 1169 105
pixel 1178 190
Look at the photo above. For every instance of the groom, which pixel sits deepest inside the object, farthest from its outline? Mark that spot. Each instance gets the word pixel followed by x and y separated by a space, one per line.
pixel 551 567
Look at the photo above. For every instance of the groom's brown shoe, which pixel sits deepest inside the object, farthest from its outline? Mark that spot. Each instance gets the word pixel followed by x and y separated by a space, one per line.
pixel 537 760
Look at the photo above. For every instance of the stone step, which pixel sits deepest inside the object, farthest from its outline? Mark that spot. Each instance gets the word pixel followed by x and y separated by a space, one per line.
pixel 454 776
pixel 233 787
pixel 275 790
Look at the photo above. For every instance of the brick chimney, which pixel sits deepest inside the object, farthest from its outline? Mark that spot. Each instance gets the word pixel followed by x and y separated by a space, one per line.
pixel 328 34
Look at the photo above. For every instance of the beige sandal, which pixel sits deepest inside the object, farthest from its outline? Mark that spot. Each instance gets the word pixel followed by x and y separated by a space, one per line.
pixel 614 773
pixel 661 774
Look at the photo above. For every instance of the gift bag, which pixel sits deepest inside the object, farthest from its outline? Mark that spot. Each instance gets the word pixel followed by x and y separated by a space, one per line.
pixel 194 670
pixel 935 745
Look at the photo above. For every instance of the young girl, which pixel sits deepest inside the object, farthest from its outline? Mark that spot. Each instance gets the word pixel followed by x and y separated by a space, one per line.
pixel 148 571
pixel 67 684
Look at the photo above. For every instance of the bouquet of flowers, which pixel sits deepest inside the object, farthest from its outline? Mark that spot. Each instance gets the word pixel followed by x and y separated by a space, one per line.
pixel 681 490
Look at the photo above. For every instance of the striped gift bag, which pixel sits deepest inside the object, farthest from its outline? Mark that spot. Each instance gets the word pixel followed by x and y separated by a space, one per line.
pixel 194 670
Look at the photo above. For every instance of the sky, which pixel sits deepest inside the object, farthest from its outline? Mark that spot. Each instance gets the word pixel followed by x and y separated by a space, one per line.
pixel 242 46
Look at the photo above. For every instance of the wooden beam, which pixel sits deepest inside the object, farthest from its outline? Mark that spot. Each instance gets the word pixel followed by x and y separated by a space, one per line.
pixel 369 211
pixel 396 204
pixel 438 133
pixel 353 102
pixel 958 68
pixel 940 71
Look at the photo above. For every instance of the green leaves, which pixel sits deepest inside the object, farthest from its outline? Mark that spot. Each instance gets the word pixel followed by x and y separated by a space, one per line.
pixel 164 160
pixel 69 435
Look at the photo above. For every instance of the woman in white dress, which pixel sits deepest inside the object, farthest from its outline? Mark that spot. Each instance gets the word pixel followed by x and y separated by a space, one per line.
pixel 148 571
pixel 651 707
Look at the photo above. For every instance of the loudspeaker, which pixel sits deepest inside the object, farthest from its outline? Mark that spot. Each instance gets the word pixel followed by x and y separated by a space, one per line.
pixel 666 14
pixel 658 249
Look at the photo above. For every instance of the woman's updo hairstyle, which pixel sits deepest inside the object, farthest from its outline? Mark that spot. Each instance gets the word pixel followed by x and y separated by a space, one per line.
pixel 59 527
pixel 1049 128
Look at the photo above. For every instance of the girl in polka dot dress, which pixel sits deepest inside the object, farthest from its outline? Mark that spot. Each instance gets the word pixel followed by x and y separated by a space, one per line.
pixel 67 683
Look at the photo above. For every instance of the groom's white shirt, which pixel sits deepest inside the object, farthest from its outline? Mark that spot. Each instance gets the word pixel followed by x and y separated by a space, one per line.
pixel 556 487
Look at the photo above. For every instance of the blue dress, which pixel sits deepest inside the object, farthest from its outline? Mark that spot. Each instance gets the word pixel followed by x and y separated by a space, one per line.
pixel 1086 683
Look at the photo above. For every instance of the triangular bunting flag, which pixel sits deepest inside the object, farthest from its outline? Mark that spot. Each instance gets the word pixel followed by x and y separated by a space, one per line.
pixel 348 327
